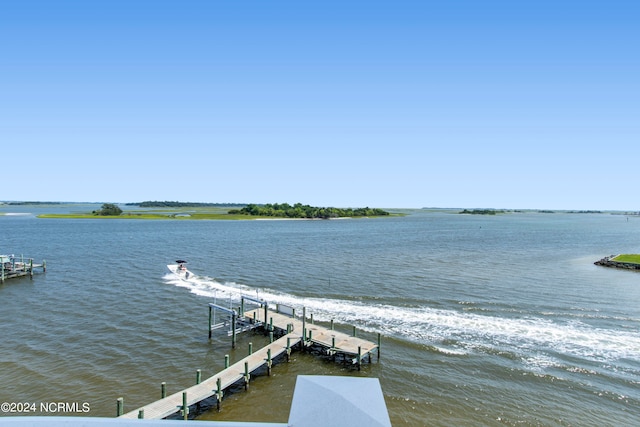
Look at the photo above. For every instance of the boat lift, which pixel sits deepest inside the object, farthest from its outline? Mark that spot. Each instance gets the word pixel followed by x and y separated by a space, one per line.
pixel 236 320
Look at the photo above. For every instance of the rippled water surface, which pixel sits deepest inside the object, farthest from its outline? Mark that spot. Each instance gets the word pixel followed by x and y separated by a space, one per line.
pixel 487 320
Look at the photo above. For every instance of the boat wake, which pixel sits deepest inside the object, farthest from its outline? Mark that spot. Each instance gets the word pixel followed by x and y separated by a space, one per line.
pixel 452 332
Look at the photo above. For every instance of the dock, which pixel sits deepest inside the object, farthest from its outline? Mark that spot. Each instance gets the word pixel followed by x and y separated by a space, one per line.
pixel 292 332
pixel 12 266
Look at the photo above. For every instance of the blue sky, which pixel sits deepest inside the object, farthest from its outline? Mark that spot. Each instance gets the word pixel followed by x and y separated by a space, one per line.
pixel 501 104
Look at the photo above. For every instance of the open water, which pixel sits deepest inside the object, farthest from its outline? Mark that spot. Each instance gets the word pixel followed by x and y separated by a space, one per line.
pixel 486 320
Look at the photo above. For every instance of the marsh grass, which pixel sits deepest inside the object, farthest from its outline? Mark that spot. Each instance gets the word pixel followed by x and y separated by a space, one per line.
pixel 179 214
pixel 631 258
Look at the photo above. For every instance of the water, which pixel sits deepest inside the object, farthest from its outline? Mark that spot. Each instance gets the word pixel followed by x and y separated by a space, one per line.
pixel 487 320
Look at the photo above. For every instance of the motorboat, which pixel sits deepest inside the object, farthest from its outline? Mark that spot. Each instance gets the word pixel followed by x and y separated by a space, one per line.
pixel 180 270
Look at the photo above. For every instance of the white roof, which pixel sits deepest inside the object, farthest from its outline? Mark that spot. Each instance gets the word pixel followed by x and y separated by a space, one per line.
pixel 320 401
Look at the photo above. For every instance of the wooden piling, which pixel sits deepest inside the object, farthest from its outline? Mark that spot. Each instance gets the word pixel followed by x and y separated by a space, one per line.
pixel 269 362
pixel 185 407
pixel 163 390
pixel 247 376
pixel 219 393
pixel 198 376
pixel 120 406
pixel 265 312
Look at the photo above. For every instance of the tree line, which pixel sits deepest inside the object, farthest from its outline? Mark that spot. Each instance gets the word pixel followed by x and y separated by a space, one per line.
pixel 108 209
pixel 285 210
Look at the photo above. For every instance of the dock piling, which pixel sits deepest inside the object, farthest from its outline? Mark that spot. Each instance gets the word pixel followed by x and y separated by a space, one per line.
pixel 120 406
pixel 269 362
pixel 265 312
pixel 141 414
pixel 247 376
pixel 198 376
pixel 219 393
pixel 185 407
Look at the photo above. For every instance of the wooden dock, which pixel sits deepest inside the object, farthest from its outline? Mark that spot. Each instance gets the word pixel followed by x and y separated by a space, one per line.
pixel 327 338
pixel 215 385
pixel 12 266
pixel 298 333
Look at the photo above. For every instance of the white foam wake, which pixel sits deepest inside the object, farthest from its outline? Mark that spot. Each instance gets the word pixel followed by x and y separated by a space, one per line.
pixel 457 329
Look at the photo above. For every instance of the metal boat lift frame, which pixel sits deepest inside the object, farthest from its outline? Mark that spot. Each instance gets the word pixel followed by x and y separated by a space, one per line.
pixel 237 322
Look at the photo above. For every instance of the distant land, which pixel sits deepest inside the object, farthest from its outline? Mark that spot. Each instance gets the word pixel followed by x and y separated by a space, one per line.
pixel 481 211
pixel 168 204
pixel 235 210
pixel 285 210
pixel 32 203
pixel 202 211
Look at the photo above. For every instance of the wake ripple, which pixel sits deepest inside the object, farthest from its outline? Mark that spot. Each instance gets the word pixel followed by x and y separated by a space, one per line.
pixel 450 331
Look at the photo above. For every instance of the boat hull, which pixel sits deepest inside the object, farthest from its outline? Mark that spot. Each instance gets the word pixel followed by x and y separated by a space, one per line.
pixel 182 273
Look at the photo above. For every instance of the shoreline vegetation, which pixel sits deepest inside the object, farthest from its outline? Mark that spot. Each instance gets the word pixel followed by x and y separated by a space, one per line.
pixel 285 210
pixel 623 261
pixel 200 211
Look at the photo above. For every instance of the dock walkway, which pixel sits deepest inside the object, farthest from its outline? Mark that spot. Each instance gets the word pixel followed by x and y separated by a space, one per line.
pixel 330 339
pixel 298 331
pixel 210 387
